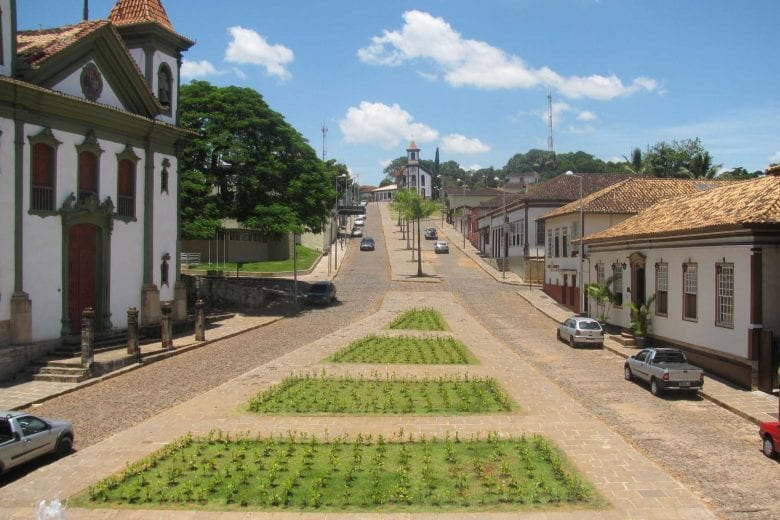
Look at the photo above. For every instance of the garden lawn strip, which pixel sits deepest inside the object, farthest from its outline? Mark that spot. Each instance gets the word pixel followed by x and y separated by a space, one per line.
pixel 420 319
pixel 443 350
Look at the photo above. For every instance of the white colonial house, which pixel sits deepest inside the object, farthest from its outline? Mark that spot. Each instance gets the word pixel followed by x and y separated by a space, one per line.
pixel 600 210
pixel 711 260
pixel 88 171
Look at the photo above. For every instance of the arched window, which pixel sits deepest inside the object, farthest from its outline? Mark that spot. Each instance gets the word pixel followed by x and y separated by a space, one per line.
pixel 126 189
pixel 42 198
pixel 88 175
pixel 164 85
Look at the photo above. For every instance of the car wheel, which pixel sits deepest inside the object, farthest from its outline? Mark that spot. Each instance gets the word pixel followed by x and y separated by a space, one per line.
pixel 64 446
pixel 572 344
pixel 768 447
pixel 627 373
pixel 655 388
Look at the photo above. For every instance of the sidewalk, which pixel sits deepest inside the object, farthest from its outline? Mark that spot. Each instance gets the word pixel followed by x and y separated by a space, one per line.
pixel 17 395
pixel 754 406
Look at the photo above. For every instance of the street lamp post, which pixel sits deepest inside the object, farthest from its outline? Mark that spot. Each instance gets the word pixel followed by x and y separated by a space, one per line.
pixel 582 246
pixel 504 228
pixel 463 217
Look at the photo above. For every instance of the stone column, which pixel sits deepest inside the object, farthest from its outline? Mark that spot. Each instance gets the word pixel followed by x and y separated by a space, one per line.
pixel 200 321
pixel 87 337
pixel 166 326
pixel 21 319
pixel 132 333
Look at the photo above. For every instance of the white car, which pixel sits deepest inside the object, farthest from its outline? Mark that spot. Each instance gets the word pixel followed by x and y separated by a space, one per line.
pixel 579 330
pixel 360 221
pixel 441 246
pixel 24 437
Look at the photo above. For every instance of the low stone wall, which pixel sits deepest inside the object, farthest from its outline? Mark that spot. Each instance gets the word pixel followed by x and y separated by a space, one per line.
pixel 247 294
pixel 14 359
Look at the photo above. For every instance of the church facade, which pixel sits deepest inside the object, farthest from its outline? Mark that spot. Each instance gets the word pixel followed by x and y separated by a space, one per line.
pixel 88 172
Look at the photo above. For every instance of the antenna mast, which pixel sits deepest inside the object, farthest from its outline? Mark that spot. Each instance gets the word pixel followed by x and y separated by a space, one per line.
pixel 549 122
pixel 324 130
pixel 86 10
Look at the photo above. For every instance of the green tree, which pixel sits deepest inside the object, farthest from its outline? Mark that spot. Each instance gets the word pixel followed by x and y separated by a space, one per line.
pixel 637 164
pixel 700 167
pixel 739 174
pixel 412 207
pixel 246 162
pixel 673 159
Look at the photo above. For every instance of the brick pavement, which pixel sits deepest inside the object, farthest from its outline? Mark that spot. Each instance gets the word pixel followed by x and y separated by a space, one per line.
pixel 634 486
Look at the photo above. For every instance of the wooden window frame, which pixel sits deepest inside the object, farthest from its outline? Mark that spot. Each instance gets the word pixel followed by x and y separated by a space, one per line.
pixel 690 291
pixel 662 289
pixel 724 295
pixel 45 138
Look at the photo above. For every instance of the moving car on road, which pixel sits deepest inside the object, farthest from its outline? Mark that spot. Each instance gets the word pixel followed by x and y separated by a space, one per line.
pixel 24 437
pixel 357 231
pixel 323 293
pixel 367 244
pixel 431 234
pixel 441 246
pixel 579 330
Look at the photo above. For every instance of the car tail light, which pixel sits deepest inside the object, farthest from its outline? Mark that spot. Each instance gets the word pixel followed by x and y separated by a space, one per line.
pixel 577 332
pixel 666 377
pixel 701 376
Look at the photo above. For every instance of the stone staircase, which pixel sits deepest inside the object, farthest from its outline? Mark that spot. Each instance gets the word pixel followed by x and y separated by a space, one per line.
pixel 63 365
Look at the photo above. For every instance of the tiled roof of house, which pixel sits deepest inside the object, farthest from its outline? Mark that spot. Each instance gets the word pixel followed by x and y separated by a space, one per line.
pixel 131 12
pixel 567 187
pixel 35 46
pixel 745 204
pixel 634 194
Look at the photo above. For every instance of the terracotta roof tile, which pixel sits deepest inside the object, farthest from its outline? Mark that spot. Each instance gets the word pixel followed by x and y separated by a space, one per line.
pixel 634 194
pixel 131 12
pixel 567 187
pixel 734 206
pixel 35 46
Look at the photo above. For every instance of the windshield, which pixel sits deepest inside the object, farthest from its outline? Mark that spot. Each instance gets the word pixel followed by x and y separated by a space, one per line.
pixel 589 325
pixel 669 357
pixel 319 288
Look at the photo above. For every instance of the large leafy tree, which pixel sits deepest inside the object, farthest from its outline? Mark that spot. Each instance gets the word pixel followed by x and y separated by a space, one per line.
pixel 246 162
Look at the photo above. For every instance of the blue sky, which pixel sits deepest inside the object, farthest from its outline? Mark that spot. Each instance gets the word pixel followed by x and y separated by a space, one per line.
pixel 472 78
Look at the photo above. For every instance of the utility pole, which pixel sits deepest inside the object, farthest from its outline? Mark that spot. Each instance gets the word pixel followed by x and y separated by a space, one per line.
pixel 324 130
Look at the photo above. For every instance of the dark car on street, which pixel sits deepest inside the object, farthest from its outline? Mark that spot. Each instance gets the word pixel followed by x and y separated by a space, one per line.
pixel 367 244
pixel 321 293
pixel 431 234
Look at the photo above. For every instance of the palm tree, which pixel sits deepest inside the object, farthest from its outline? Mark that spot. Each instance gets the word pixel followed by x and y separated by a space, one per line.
pixel 701 167
pixel 414 208
pixel 604 297
pixel 637 164
pixel 400 203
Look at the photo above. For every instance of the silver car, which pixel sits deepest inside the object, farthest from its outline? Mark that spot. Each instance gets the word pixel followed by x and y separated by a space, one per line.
pixel 24 437
pixel 579 330
pixel 441 247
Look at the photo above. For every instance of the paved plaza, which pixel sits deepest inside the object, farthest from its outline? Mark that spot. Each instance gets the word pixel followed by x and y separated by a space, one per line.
pixel 634 486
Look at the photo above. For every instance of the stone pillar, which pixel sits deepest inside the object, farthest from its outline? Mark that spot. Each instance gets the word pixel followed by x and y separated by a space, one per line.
pixel 87 337
pixel 21 319
pixel 166 326
pixel 179 301
pixel 132 333
pixel 200 321
pixel 150 305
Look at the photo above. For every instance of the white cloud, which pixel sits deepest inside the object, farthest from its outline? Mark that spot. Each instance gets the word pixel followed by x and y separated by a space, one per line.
pixel 586 115
pixel 383 125
pixel 474 63
pixel 197 69
pixel 775 158
pixel 456 143
pixel 249 47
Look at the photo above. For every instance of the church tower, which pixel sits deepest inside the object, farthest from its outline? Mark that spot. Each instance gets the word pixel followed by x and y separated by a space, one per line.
pixel 413 153
pixel 155 46
pixel 7 36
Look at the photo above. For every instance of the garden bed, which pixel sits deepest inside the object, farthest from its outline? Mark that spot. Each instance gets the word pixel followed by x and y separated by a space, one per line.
pixel 347 395
pixel 299 473
pixel 426 318
pixel 405 349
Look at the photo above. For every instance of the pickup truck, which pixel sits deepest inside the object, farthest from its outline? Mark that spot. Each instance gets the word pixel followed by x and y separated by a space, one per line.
pixel 24 437
pixel 664 369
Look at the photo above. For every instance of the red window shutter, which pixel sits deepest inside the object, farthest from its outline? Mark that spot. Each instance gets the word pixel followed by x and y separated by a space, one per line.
pixel 87 172
pixel 125 178
pixel 41 167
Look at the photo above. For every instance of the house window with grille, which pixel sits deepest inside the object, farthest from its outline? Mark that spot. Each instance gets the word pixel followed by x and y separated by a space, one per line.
pixel 662 288
pixel 690 291
pixel 126 189
pixel 724 285
pixel 549 243
pixel 88 175
pixel 600 279
pixel 42 196
pixel 617 284
pixel 540 232
pixel 557 242
pixel 565 241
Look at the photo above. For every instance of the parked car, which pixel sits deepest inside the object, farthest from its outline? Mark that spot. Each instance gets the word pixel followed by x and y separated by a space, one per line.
pixel 431 234
pixel 360 221
pixel 665 369
pixel 24 437
pixel 357 231
pixel 341 232
pixel 441 247
pixel 770 438
pixel 367 244
pixel 579 330
pixel 323 293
